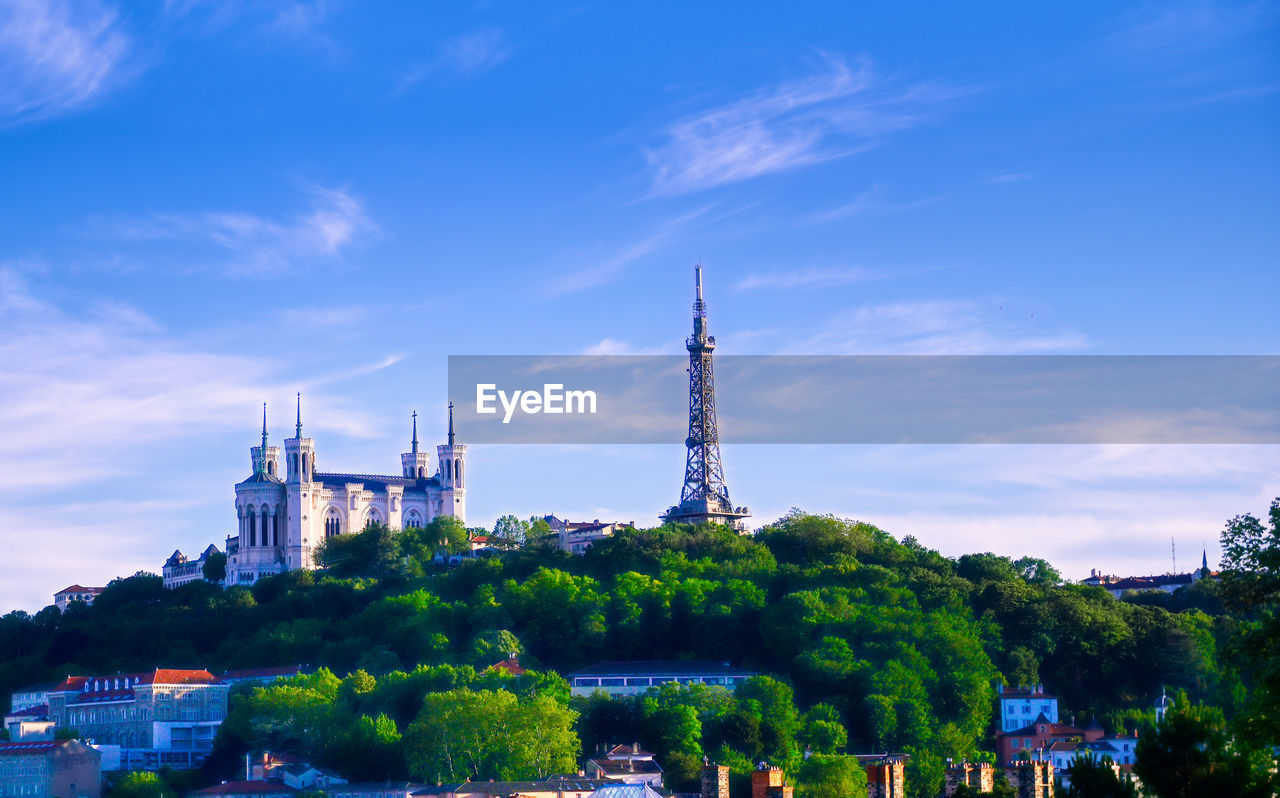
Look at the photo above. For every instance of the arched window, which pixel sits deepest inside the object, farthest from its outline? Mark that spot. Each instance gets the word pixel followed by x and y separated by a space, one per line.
pixel 271 467
pixel 421 472
pixel 448 470
pixel 251 522
pixel 304 467
pixel 457 471
pixel 413 520
pixel 332 523
pixel 372 518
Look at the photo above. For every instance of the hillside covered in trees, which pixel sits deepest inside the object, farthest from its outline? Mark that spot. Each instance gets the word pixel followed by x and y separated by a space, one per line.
pixel 864 643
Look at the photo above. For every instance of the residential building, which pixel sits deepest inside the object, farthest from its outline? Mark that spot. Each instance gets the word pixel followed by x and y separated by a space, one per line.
pixel 31 696
pixel 180 569
pixel 245 789
pixel 284 512
pixel 375 789
pixel 886 774
pixel 161 718
pixel 49 769
pixel 1017 707
pixel 575 537
pixel 715 780
pixel 767 781
pixel 292 771
pixel 66 595
pixel 1018 744
pixel 1118 586
pixel 1031 779
pixel 1120 749
pixel 628 764
pixel 636 677
pixel 29 723
pixel 509 666
pixel 550 787
pixel 627 791
pixel 977 776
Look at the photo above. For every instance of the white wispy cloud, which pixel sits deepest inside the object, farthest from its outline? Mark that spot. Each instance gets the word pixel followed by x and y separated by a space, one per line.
pixel 1005 177
pixel 296 19
pixel 613 346
pixel 250 244
pixel 841 109
pixel 604 265
pixel 115 415
pixel 872 200
pixel 57 56
pixel 939 327
pixel 803 278
pixel 462 56
pixel 1199 51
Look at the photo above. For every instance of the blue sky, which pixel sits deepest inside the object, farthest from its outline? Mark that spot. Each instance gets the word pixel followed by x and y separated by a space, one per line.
pixel 208 204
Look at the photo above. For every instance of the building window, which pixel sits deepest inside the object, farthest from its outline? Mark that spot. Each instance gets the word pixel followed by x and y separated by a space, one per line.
pixel 332 523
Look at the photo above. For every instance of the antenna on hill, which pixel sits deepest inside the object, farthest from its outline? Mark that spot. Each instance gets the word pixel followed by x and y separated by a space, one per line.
pixel 1173 548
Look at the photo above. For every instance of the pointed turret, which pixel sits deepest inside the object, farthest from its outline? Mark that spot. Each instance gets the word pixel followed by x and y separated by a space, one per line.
pixel 297 433
pixel 451 423
pixel 262 452
pixel 416 464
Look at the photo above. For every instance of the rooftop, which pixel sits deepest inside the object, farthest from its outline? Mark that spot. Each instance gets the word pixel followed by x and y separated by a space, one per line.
pixel 660 667
pixel 80 589
pixel 246 788
pixel 31 747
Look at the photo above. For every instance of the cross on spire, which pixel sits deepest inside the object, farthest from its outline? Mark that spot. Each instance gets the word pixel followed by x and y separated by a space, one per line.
pixel 298 432
pixel 415 432
pixel 451 423
pixel 262 452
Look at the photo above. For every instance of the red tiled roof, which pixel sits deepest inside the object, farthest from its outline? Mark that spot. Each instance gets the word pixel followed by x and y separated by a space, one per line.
pixel 247 788
pixel 78 684
pixel 175 676
pixel 79 589
pixel 42 709
pixel 511 665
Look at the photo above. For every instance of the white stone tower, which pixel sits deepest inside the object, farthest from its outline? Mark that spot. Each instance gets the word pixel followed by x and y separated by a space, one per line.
pixel 452 475
pixel 415 464
pixel 300 457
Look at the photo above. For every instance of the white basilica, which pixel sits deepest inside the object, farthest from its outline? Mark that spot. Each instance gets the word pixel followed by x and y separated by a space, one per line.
pixel 282 519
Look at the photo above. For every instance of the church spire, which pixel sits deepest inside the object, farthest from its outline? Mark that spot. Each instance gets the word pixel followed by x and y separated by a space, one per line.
pixel 451 423
pixel 298 432
pixel 262 452
pixel 415 432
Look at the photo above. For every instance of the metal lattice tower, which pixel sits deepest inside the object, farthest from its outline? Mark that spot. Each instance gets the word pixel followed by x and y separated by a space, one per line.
pixel 705 496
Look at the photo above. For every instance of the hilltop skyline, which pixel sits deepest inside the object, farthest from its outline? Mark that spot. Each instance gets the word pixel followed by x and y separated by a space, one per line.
pixel 215 204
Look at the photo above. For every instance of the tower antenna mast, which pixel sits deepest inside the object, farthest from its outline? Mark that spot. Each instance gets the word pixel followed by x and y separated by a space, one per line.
pixel 704 498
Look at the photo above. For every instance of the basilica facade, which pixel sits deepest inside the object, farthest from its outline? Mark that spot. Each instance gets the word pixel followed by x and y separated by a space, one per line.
pixel 285 511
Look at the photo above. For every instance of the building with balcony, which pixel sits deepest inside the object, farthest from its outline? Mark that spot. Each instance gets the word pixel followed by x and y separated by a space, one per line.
pixel 636 677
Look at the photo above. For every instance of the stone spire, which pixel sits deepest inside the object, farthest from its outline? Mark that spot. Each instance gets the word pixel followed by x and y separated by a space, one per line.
pixel 298 431
pixel 262 453
pixel 451 423
pixel 415 433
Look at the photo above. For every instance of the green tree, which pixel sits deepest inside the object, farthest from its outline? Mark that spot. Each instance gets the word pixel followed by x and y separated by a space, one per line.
pixel 138 784
pixel 215 567
pixel 510 531
pixel 1251 587
pixel 825 776
pixel 1092 777
pixel 1192 754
